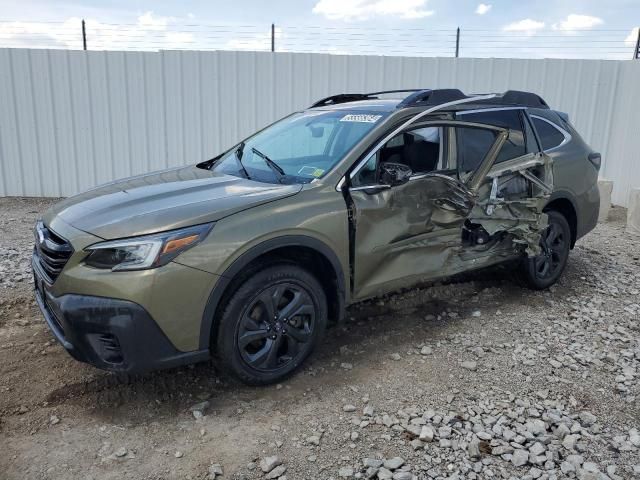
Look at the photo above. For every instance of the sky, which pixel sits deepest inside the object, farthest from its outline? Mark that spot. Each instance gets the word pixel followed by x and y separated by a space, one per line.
pixel 492 28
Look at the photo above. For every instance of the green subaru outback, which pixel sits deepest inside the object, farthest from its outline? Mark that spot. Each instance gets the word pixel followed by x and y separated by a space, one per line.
pixel 248 256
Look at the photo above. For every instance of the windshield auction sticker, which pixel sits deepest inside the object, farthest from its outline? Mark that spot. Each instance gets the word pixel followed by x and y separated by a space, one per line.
pixel 362 118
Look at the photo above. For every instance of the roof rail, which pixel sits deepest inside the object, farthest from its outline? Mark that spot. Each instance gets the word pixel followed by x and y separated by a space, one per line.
pixel 527 99
pixel 341 98
pixel 429 97
pixel 432 97
pixel 395 91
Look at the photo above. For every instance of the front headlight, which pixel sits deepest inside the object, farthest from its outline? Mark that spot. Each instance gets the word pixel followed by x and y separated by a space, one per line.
pixel 148 251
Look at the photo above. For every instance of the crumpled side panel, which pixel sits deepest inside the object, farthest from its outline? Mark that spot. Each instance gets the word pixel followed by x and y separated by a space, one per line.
pixel 520 215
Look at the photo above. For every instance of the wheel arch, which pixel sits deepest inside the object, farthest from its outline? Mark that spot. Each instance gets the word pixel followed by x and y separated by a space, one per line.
pixel 309 252
pixel 562 202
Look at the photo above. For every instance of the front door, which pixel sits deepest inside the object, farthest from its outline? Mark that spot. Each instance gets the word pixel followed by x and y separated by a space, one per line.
pixel 405 233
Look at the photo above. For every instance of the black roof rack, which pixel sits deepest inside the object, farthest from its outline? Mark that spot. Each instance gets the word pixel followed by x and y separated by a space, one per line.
pixel 424 97
pixel 527 99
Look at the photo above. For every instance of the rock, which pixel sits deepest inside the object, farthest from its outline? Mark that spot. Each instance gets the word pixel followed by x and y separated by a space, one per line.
pixel 567 468
pixel 372 462
pixel 393 463
pixel 199 409
pixel 444 432
pixel 54 420
pixel 589 471
pixel 346 366
pixel 562 431
pixel 402 476
pixel 536 426
pixel 634 437
pixel 470 365
pixel 349 408
pixel 501 450
pixel 426 434
pixel 473 449
pixel 537 449
pixel 368 411
pixel 535 472
pixel 384 474
pixel 395 356
pixel 314 440
pixel 345 472
pixel 269 463
pixel 416 444
pixel 120 452
pixel 276 472
pixel 569 442
pixel 587 419
pixel 178 454
pixel 426 350
pixel 215 470
pixel 519 457
pixel 575 460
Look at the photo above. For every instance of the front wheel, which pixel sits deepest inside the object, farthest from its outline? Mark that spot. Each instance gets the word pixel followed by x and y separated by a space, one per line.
pixel 271 324
pixel 542 271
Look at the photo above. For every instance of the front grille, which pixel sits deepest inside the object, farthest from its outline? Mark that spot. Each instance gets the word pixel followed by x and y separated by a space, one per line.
pixel 51 251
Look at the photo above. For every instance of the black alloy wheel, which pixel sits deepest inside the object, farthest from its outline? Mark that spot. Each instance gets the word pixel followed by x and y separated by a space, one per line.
pixel 543 270
pixel 275 326
pixel 554 249
pixel 271 323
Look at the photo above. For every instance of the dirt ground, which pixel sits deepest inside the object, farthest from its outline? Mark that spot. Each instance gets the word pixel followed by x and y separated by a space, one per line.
pixel 576 345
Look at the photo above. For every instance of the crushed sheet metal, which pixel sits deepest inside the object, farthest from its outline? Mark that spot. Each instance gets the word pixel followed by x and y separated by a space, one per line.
pixel 523 218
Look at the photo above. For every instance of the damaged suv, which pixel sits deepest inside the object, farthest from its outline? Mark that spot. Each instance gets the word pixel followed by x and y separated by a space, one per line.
pixel 246 257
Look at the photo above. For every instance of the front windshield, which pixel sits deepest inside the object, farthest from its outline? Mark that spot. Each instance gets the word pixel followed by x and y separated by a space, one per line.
pixel 303 146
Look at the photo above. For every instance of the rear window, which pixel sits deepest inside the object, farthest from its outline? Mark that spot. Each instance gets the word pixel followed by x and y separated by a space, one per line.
pixel 514 147
pixel 550 136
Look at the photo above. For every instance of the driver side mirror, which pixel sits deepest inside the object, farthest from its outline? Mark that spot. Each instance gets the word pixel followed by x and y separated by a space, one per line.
pixel 394 174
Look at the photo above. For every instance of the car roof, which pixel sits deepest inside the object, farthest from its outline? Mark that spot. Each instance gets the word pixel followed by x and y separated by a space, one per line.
pixel 392 100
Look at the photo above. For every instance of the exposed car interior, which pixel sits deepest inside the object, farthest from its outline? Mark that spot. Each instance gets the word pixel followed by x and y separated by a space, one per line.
pixel 418 149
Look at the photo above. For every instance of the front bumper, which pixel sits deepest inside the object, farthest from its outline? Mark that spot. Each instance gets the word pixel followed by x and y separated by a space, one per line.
pixel 111 334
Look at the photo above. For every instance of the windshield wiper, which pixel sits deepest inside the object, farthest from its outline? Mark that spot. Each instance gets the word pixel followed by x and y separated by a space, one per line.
pixel 238 154
pixel 275 168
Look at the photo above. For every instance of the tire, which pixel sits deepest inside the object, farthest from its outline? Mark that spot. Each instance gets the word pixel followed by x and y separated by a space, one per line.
pixel 271 324
pixel 544 270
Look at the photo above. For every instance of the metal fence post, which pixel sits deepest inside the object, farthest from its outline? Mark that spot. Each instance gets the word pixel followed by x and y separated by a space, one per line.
pixel 636 53
pixel 457 42
pixel 84 36
pixel 273 37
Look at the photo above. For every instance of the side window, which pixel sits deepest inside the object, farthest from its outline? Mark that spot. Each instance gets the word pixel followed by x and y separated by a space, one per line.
pixel 472 145
pixel 550 136
pixel 419 148
pixel 515 146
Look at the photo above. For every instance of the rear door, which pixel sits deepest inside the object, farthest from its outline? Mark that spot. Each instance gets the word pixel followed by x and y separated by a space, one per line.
pixel 403 234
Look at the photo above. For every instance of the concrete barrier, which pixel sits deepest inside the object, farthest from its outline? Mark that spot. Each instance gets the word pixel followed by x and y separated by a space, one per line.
pixel 633 211
pixel 605 187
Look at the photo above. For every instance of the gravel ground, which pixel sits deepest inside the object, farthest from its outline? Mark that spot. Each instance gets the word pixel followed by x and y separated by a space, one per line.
pixel 474 379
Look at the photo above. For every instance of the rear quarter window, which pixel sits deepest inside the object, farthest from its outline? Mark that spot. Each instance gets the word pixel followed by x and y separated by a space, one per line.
pixel 550 137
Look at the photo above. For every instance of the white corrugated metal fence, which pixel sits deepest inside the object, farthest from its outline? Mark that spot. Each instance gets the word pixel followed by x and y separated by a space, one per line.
pixel 70 120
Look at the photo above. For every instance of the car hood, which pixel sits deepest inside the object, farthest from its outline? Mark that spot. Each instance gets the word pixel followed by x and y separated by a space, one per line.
pixel 163 200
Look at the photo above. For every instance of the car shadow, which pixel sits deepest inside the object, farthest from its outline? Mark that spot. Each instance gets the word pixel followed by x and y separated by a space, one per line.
pixel 383 323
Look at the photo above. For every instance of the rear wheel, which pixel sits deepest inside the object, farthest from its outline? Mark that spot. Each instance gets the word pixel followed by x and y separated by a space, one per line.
pixel 542 271
pixel 271 324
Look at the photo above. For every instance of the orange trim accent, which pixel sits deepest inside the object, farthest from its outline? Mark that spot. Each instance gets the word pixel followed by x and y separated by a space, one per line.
pixel 178 243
